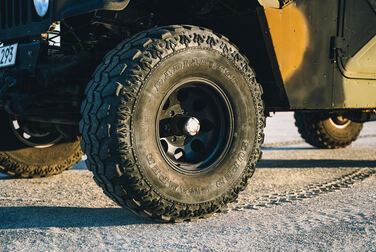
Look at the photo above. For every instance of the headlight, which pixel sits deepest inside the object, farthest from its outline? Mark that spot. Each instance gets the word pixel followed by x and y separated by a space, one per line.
pixel 41 7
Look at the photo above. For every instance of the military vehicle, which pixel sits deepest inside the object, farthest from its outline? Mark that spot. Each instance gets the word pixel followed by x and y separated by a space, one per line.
pixel 168 111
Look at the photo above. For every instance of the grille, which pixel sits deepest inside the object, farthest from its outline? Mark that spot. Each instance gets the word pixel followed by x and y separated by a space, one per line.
pixel 14 13
pixel 18 18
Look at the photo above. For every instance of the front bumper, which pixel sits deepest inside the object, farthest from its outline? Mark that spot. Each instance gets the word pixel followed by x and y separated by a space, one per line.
pixel 26 63
pixel 27 57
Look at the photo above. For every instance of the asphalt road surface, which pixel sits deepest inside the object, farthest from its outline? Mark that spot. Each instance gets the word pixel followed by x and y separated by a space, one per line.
pixel 300 198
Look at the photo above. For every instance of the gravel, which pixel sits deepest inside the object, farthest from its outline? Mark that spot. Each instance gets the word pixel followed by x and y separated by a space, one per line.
pixel 300 198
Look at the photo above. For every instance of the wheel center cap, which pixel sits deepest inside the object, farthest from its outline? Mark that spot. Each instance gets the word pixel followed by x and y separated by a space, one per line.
pixel 192 126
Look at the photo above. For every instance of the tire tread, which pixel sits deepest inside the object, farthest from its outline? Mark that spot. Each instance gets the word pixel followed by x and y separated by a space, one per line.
pixel 138 56
pixel 313 130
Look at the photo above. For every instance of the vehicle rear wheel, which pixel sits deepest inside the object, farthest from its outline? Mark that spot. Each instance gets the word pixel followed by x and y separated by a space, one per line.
pixel 327 130
pixel 173 123
pixel 34 149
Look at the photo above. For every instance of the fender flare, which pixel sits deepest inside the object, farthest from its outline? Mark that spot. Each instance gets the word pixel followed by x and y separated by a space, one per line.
pixel 67 8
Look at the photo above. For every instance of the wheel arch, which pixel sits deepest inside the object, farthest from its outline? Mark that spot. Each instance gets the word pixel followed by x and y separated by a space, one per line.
pixel 251 36
pixel 67 8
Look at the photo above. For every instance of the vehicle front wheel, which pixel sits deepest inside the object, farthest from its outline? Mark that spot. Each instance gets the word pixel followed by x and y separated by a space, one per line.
pixel 30 149
pixel 173 123
pixel 327 130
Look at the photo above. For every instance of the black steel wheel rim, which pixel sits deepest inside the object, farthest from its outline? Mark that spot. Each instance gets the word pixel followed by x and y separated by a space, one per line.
pixel 35 134
pixel 339 121
pixel 194 125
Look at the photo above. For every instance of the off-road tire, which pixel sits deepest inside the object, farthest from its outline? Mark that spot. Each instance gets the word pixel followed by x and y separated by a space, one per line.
pixel 320 130
pixel 19 160
pixel 119 117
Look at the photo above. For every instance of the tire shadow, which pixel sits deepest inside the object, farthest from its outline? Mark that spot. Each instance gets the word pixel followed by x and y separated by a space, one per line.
pixel 5 177
pixel 66 217
pixel 287 148
pixel 316 163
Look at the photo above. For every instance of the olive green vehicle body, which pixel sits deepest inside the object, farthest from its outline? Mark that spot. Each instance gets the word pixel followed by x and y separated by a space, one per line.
pixel 325 52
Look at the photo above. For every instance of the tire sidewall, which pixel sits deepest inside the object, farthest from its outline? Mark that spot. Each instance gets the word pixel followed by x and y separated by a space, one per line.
pixel 216 181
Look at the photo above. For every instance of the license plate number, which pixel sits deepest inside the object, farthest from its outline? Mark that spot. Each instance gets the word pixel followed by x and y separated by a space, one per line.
pixel 8 55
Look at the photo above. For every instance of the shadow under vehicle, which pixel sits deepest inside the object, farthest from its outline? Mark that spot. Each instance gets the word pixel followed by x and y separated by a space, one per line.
pixel 171 114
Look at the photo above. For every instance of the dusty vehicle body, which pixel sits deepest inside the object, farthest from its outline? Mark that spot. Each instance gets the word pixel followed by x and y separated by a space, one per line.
pixel 171 116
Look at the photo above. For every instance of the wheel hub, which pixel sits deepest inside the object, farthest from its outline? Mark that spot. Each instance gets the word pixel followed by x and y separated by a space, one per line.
pixel 194 125
pixel 339 121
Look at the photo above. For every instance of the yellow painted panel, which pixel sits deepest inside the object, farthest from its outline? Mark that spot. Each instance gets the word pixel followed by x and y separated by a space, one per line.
pixel 289 31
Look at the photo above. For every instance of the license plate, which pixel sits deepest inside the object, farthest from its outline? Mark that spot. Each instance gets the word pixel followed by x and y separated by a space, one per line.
pixel 8 55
